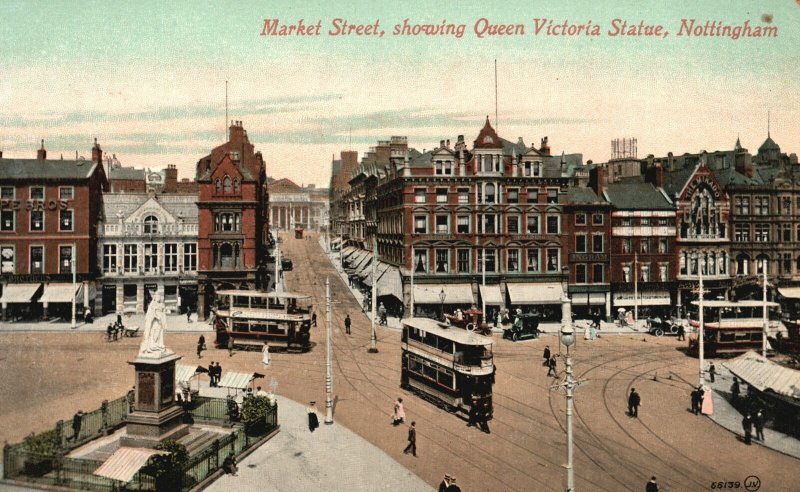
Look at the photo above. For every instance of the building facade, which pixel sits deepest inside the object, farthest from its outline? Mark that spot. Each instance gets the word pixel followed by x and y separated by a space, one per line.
pixel 48 215
pixel 233 208
pixel 293 206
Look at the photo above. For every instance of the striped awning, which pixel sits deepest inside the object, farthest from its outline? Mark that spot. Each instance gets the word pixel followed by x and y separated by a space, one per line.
pixel 19 293
pixel 238 380
pixel 390 283
pixel 453 294
pixel 535 293
pixel 61 293
pixel 125 463
pixel 765 375
pixel 184 373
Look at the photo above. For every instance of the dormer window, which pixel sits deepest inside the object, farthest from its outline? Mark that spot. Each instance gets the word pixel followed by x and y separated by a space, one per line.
pixel 444 168
pixel 236 186
pixel 533 168
pixel 488 139
pixel 151 224
pixel 227 185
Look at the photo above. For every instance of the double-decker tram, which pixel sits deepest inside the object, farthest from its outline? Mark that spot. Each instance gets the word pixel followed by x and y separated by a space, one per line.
pixel 731 327
pixel 447 365
pixel 251 318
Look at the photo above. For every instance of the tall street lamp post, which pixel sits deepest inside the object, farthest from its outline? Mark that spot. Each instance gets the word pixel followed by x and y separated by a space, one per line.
pixel 328 357
pixel 74 287
pixel 442 296
pixel 373 346
pixel 764 309
pixel 569 384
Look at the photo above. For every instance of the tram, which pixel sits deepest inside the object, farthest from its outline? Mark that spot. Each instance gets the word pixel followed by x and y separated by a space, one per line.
pixel 446 365
pixel 731 327
pixel 251 318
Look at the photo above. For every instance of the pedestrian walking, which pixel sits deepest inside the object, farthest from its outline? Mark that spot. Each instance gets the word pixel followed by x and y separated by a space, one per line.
pixel 218 372
pixel 265 357
pixel 546 355
pixel 212 375
pixel 230 346
pixel 634 400
pixel 652 485
pixel 382 314
pixel 484 415
pixel 758 422
pixel 347 322
pixel 443 487
pixel 412 440
pixel 696 400
pixel 681 333
pixel 189 314
pixel 313 419
pixel 551 366
pixel 314 319
pixel 453 487
pixel 399 412
pixel 77 421
pixel 747 427
pixel 473 412
pixel 201 345
pixel 735 391
pixel 712 371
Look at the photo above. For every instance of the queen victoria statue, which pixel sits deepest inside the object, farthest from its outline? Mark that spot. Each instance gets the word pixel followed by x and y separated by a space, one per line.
pixel 155 322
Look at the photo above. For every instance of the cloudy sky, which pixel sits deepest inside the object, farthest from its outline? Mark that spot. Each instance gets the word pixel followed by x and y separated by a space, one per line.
pixel 148 80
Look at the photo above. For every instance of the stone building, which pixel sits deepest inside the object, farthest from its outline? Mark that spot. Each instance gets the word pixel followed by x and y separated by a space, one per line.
pixel 147 245
pixel 293 206
pixel 48 215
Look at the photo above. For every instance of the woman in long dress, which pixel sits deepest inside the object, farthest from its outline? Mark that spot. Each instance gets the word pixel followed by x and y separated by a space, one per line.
pixel 265 357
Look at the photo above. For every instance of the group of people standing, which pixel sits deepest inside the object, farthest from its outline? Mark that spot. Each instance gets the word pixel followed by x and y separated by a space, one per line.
pixel 214 373
pixel 480 412
pixel 549 360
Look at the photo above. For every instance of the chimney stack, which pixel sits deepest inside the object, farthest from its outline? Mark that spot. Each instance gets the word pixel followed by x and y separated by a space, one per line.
pixel 658 175
pixel 97 152
pixel 597 180
pixel 41 154
pixel 171 179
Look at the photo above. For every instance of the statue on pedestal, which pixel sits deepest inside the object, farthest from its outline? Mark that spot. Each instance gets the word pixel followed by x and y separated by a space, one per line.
pixel 155 322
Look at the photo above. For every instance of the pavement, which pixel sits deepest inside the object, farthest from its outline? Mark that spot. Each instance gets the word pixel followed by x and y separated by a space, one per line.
pixel 332 458
pixel 728 417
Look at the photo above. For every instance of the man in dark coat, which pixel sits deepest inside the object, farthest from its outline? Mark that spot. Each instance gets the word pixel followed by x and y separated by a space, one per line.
pixel 681 332
pixel 412 440
pixel 484 415
pixel 551 366
pixel 747 426
pixel 712 372
pixel 546 355
pixel 218 373
pixel 77 421
pixel 696 401
pixel 758 422
pixel 443 487
pixel 652 485
pixel 212 375
pixel 201 345
pixel 634 400
pixel 313 419
pixel 313 319
pixel 473 412
pixel 347 323
pixel 453 487
pixel 735 391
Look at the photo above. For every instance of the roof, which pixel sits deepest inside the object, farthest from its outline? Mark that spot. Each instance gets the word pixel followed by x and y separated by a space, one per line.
pixel 238 380
pixel 116 205
pixel 12 169
pixel 125 463
pixel 511 148
pixel 271 295
pixel 487 138
pixel 765 375
pixel 443 330
pixel 768 144
pixel 115 172
pixel 416 159
pixel 582 195
pixel 284 185
pixel 636 196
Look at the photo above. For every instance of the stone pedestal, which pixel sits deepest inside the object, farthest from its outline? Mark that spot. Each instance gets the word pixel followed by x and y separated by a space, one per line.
pixel 156 416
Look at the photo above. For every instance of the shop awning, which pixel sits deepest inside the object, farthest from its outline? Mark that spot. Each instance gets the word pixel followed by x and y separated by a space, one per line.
pixel 61 293
pixel 362 261
pixel 390 283
pixel 590 298
pixel 454 294
pixel 125 463
pixel 238 380
pixel 19 293
pixel 791 292
pixel 656 298
pixel 348 250
pixel 335 242
pixel 365 265
pixel 355 258
pixel 366 274
pixel 765 375
pixel 184 373
pixel 492 295
pixel 535 293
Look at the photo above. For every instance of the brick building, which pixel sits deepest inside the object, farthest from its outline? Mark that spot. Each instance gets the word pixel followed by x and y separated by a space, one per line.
pixel 48 215
pixel 233 207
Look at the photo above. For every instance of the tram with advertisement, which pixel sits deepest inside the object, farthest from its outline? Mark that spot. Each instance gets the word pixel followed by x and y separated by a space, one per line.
pixel 731 327
pixel 449 366
pixel 252 318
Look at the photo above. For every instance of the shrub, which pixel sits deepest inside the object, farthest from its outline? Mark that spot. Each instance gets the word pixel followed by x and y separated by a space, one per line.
pixel 167 469
pixel 254 414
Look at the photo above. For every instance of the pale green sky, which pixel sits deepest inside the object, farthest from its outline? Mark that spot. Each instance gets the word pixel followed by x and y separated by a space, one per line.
pixel 148 80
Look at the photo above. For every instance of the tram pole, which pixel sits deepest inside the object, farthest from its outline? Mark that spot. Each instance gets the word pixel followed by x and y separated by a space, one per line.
pixel 328 364
pixel 373 347
pixel 74 286
pixel 764 313
pixel 701 328
pixel 569 384
pixel 277 264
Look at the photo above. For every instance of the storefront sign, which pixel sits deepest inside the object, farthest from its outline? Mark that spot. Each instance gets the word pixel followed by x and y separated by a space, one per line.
pixel 35 204
pixel 703 180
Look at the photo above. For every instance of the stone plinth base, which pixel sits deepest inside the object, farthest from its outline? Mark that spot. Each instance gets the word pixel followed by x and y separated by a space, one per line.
pixel 148 429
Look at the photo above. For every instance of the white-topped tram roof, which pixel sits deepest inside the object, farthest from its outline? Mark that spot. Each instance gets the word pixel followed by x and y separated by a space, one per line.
pixel 457 335
pixel 268 295
pixel 734 304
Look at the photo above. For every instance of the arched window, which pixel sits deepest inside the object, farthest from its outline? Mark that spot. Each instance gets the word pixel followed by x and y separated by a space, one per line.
pixel 226 185
pixel 236 185
pixel 762 264
pixel 743 264
pixel 489 193
pixel 151 224
pixel 217 186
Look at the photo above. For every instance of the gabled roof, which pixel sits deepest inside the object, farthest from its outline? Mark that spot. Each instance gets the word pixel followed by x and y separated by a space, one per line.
pixel 636 196
pixel 581 195
pixel 129 173
pixel 13 169
pixel 284 185
pixel 769 144
pixel 487 138
pixel 415 159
